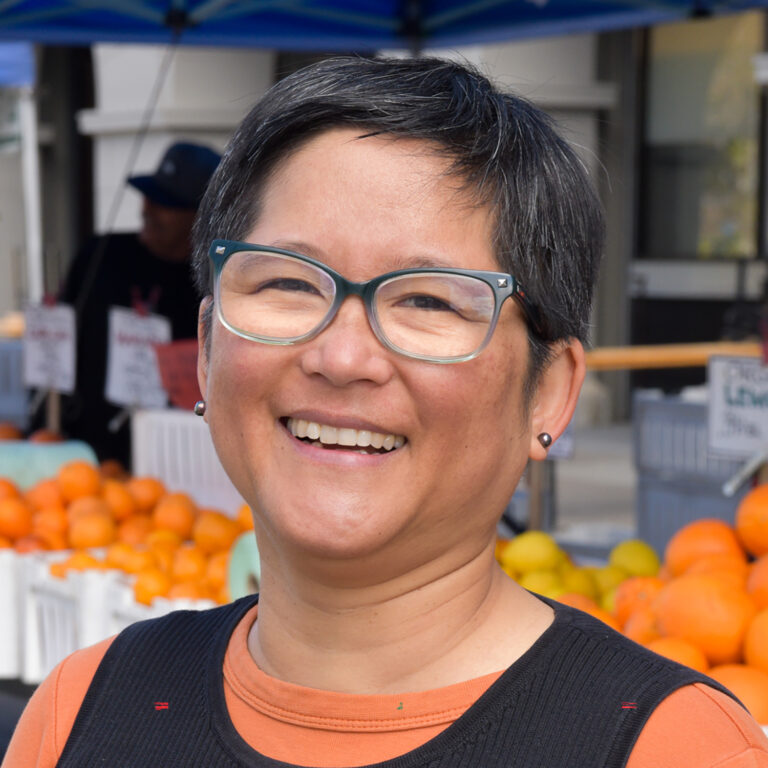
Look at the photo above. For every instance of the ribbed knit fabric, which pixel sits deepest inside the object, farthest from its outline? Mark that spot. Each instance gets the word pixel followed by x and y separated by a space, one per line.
pixel 577 698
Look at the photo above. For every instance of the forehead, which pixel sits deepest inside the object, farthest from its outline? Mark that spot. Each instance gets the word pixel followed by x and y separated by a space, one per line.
pixel 344 190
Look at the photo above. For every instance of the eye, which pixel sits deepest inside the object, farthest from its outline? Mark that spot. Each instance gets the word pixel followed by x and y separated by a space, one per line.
pixel 422 301
pixel 290 284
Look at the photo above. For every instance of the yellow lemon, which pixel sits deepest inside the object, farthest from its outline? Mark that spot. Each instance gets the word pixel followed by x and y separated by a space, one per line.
pixel 608 577
pixel 608 601
pixel 531 551
pixel 543 582
pixel 580 581
pixel 635 557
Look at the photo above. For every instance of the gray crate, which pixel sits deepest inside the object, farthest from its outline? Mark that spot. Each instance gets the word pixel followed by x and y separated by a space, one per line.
pixel 664 507
pixel 679 479
pixel 13 396
pixel 671 440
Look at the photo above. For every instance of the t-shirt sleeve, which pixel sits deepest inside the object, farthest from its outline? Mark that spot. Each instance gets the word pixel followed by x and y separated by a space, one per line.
pixel 699 726
pixel 45 724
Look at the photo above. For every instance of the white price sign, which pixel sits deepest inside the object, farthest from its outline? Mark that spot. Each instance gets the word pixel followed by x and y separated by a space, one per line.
pixel 133 378
pixel 49 347
pixel 738 405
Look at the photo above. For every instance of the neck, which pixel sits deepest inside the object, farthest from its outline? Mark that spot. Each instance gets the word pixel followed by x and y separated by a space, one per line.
pixel 416 632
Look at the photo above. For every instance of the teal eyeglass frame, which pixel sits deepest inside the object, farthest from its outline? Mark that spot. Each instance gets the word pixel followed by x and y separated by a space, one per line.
pixel 503 285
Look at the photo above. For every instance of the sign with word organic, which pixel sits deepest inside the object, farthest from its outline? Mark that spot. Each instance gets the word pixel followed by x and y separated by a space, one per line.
pixel 738 405
pixel 133 379
pixel 49 347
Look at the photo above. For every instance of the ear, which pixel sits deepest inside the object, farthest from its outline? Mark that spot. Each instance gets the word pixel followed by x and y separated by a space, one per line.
pixel 202 352
pixel 556 395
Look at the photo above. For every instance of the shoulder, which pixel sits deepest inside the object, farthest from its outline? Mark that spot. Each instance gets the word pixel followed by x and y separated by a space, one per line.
pixel 47 719
pixel 699 725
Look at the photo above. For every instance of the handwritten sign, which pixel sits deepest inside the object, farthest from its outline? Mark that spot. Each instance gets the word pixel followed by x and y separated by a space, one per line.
pixel 49 347
pixel 133 379
pixel 738 405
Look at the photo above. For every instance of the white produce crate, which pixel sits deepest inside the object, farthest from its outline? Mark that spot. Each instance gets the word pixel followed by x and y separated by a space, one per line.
pixel 10 645
pixel 176 446
pixel 59 616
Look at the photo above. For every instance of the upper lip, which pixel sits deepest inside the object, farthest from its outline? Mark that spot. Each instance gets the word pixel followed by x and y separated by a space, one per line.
pixel 342 421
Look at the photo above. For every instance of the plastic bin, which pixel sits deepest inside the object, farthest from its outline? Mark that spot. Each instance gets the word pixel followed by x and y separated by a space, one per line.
pixel 176 446
pixel 679 479
pixel 59 616
pixel 13 395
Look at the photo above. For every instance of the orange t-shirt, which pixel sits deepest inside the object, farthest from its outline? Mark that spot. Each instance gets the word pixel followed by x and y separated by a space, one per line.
pixel 694 726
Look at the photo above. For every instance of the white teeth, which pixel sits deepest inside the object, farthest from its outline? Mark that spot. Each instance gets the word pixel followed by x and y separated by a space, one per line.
pixel 347 436
pixel 329 435
pixel 363 438
pixel 323 434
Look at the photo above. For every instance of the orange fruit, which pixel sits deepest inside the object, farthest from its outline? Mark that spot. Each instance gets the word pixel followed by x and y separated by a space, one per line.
pixel 53 518
pixel 752 521
pixel 8 489
pixel 88 505
pixel 577 600
pixel 631 593
pixel 605 617
pixel 189 590
pixel 9 431
pixel 45 493
pixel 698 539
pixel 118 555
pixel 135 529
pixel 189 563
pixel 214 531
pixel 681 651
pixel 640 626
pixel 140 558
pixel 750 685
pixel 757 582
pixel 146 491
pixel 163 539
pixel 78 478
pixel 112 469
pixel 756 642
pixel 723 566
pixel 31 543
pixel 118 498
pixel 711 614
pixel 175 512
pixel 15 518
pixel 45 436
pixel 53 539
pixel 244 519
pixel 77 561
pixel 5 543
pixel 217 570
pixel 150 583
pixel 94 530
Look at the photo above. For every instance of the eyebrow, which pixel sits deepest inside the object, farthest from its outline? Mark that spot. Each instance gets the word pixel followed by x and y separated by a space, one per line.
pixel 398 261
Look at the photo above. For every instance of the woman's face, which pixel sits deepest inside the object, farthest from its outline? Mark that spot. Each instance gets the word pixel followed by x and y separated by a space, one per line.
pixel 365 207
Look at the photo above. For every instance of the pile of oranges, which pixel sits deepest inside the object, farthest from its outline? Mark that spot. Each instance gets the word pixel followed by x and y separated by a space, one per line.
pixel 170 546
pixel 708 605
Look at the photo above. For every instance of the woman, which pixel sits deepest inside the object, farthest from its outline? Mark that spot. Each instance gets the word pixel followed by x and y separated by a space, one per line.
pixel 375 398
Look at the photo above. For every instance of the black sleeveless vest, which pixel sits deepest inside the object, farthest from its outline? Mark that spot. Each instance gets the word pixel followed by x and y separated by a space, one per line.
pixel 577 698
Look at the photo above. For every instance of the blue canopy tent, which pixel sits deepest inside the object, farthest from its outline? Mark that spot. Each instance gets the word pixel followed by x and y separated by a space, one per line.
pixel 328 25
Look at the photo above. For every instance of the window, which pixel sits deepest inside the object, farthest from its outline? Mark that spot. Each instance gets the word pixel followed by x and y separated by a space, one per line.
pixel 699 157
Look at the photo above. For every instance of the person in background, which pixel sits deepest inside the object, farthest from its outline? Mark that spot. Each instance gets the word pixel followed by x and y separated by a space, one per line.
pixel 148 269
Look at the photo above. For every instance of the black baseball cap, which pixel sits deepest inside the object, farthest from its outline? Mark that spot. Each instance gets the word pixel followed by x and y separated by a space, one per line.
pixel 181 178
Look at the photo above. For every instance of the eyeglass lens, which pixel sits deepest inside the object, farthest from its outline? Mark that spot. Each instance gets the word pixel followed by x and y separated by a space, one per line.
pixel 279 298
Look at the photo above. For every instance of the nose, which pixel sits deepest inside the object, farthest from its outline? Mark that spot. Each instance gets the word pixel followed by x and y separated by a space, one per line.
pixel 348 351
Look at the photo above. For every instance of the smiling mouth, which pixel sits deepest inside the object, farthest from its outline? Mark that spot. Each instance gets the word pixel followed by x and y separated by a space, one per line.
pixel 343 438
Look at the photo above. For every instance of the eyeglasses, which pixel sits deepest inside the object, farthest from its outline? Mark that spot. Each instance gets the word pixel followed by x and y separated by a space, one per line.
pixel 276 296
